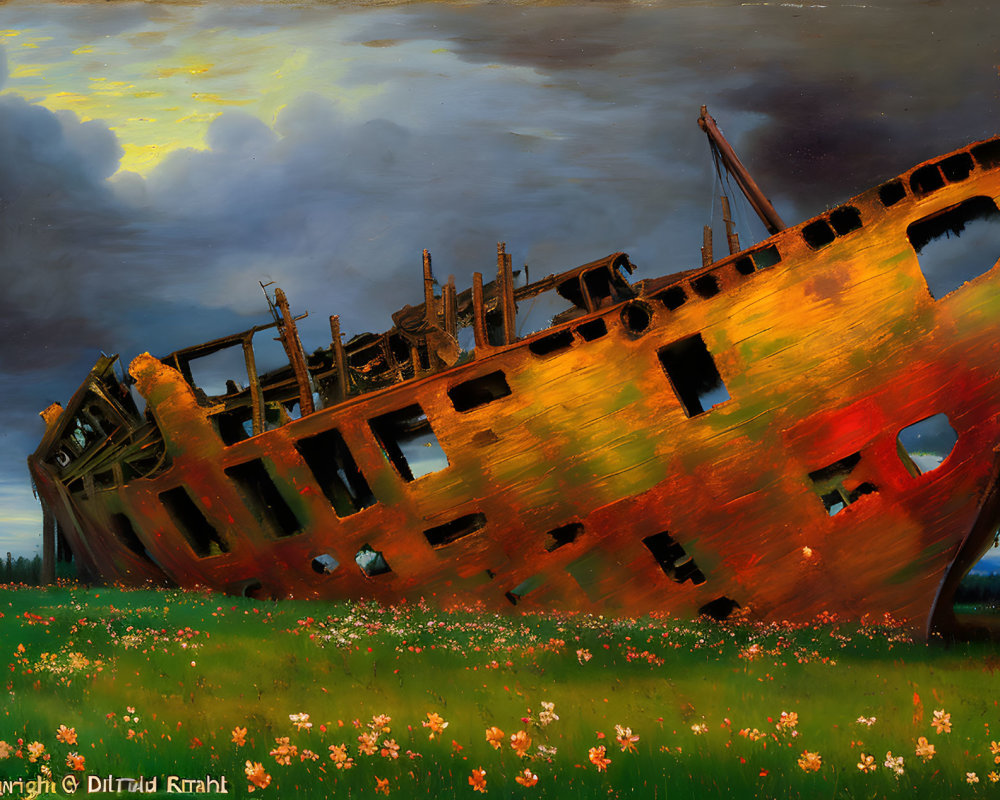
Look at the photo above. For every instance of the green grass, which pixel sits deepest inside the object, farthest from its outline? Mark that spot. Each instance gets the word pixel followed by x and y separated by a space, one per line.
pixel 195 666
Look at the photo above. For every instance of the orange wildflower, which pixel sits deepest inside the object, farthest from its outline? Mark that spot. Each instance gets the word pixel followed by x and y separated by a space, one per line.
pixel 495 737
pixel 381 785
pixel 810 762
pixel 925 749
pixel 436 723
pixel 389 749
pixel 75 762
pixel 256 774
pixel 597 758
pixel 367 743
pixel 527 778
pixel 787 721
pixel 520 741
pixel 995 751
pixel 35 751
pixel 477 780
pixel 338 755
pixel 66 735
pixel 941 721
pixel 239 736
pixel 284 752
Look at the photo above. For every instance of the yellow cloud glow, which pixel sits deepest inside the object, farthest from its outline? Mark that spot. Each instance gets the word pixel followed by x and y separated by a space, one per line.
pixel 68 99
pixel 203 117
pixel 24 71
pixel 160 88
pixel 140 157
pixel 208 97
pixel 195 69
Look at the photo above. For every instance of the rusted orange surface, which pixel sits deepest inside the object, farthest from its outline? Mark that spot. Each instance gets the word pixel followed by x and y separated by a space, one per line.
pixel 582 477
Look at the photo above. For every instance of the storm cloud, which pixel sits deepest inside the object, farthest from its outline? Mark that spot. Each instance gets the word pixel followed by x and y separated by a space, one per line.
pixel 53 207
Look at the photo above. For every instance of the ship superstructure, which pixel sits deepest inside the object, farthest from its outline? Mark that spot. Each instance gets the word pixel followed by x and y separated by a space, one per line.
pixel 810 424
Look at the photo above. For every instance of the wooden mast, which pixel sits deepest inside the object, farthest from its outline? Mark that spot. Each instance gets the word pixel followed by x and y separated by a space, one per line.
pixel 293 349
pixel 735 168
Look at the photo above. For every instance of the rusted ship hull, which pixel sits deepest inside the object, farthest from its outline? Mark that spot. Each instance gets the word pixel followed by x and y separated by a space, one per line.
pixel 727 436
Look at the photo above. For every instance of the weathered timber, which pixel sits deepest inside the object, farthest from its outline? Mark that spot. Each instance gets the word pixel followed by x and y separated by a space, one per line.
pixel 735 435
pixel 706 247
pixel 732 238
pixel 760 203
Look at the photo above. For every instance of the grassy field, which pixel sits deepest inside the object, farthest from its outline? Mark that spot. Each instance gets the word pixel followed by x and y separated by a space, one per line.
pixel 358 700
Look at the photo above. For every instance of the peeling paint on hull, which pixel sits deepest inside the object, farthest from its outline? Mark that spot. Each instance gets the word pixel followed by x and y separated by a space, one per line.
pixel 718 437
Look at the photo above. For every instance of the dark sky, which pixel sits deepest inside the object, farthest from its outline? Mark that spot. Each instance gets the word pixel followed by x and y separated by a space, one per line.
pixel 157 161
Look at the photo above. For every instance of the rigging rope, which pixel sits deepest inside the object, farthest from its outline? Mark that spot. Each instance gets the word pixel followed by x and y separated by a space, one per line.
pixel 741 221
pixel 716 182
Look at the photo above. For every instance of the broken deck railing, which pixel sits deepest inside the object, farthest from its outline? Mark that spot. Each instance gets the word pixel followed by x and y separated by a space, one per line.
pixel 423 340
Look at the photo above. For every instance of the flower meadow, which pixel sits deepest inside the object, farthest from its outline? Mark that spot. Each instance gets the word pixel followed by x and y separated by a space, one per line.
pixel 307 699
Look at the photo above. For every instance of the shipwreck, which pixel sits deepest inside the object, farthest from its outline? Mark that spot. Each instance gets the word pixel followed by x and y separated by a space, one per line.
pixel 809 424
